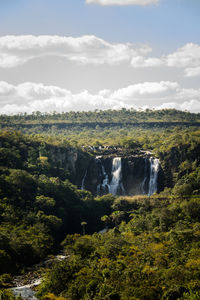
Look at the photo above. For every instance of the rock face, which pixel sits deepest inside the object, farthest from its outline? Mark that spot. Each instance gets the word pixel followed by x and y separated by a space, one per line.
pixel 113 171
pixel 72 161
pixel 123 175
pixel 64 158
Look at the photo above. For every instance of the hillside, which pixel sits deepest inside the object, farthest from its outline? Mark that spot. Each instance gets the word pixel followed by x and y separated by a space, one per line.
pixel 151 240
pixel 123 116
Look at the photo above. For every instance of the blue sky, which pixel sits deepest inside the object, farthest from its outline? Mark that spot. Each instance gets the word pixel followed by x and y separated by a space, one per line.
pixel 170 24
pixel 122 49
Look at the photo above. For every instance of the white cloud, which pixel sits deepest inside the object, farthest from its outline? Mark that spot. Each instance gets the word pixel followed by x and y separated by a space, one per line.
pixel 29 97
pixel 146 90
pixel 10 61
pixel 89 49
pixel 16 50
pixel 143 62
pixel 6 89
pixel 187 57
pixel 192 72
pixel 33 91
pixel 122 2
pixel 191 105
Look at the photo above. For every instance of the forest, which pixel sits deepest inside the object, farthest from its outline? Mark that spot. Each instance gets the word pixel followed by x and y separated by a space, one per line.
pixel 103 116
pixel 150 248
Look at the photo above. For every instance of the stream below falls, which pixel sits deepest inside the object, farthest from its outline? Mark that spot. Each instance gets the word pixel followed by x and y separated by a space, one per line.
pixel 27 291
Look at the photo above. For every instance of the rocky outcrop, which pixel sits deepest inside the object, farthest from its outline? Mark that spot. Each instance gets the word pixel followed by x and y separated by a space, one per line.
pixel 73 161
pixel 115 171
pixel 134 174
pixel 172 159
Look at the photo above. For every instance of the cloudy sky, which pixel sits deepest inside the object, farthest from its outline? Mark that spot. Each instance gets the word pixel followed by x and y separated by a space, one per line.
pixel 63 55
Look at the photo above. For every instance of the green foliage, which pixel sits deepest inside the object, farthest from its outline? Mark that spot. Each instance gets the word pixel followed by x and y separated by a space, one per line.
pixel 154 256
pixel 188 184
pixel 102 116
pixel 152 248
pixel 37 209
pixel 190 296
pixel 7 295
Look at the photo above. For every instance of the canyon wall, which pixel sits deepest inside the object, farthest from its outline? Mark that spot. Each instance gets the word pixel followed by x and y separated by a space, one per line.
pixel 123 175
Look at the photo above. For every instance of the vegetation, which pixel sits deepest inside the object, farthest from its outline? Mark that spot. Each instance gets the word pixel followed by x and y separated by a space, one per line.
pixel 155 255
pixel 38 204
pixel 151 248
pixel 104 116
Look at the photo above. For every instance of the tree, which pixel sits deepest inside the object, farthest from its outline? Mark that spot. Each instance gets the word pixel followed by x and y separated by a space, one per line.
pixel 83 224
pixel 117 216
pixel 106 220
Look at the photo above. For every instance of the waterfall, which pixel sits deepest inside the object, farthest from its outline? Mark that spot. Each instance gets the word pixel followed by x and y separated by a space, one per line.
pixel 145 177
pixel 116 185
pixel 154 168
pixel 83 181
pixel 104 175
pixel 104 186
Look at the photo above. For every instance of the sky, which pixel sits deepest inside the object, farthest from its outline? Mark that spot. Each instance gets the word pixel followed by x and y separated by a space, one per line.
pixel 74 55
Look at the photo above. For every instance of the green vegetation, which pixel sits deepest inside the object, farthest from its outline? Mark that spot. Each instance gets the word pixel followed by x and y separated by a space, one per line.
pixel 148 130
pixel 151 250
pixel 155 255
pixel 104 116
pixel 38 204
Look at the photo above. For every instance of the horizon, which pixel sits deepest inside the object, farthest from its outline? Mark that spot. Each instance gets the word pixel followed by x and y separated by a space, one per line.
pixel 96 111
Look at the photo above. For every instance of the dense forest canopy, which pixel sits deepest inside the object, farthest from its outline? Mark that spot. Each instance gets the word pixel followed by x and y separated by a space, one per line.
pixel 148 129
pixel 104 116
pixel 151 248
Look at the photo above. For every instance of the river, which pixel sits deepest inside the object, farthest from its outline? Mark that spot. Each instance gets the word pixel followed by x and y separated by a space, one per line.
pixel 27 291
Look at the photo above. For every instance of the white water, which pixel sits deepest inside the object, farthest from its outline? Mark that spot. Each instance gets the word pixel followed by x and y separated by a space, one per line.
pixel 145 177
pixel 103 230
pixel 154 168
pixel 105 184
pixel 83 181
pixel 26 291
pixel 116 184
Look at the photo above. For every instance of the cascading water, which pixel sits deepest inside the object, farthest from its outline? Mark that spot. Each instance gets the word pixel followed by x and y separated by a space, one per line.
pixel 103 187
pixel 154 168
pixel 116 185
pixel 145 177
pixel 83 181
pixel 139 175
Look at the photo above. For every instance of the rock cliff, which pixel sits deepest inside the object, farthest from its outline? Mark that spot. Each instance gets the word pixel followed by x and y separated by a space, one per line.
pixel 123 174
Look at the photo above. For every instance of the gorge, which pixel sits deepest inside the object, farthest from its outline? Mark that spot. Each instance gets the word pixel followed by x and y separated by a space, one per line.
pixel 139 174
pixel 59 190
